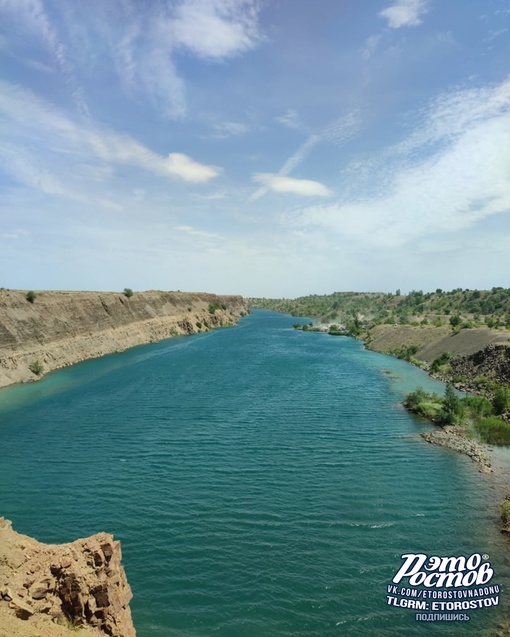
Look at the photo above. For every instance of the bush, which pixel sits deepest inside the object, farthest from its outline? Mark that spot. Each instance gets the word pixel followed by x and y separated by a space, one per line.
pixel 478 406
pixel 494 430
pixel 199 325
pixel 36 368
pixel 419 395
pixel 439 361
pixel 501 400
pixel 30 296
pixel 429 410
pixel 128 292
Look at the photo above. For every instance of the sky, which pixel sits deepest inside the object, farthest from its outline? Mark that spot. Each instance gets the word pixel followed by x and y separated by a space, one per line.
pixel 269 148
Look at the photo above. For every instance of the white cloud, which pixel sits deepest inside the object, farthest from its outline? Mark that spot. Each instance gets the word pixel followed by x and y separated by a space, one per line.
pixel 289 119
pixel 142 40
pixel 216 28
pixel 32 17
pixel 405 13
pixel 337 132
pixel 68 147
pixel 186 168
pixel 448 176
pixel 371 44
pixel 229 129
pixel 302 187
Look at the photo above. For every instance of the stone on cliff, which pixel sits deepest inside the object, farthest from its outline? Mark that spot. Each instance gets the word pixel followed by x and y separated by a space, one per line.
pixel 48 587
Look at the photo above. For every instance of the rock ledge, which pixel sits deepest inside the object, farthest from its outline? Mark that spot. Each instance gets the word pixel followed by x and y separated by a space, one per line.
pixel 51 589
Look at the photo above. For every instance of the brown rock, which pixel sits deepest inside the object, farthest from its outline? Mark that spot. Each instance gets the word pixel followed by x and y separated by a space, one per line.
pixel 76 591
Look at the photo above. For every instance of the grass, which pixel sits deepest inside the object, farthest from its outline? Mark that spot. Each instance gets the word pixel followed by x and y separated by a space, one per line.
pixel 494 430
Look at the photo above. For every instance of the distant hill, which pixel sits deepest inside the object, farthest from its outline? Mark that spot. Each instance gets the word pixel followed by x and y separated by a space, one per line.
pixel 458 308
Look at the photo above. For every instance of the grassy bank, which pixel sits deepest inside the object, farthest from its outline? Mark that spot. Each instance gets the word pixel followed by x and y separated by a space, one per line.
pixel 478 416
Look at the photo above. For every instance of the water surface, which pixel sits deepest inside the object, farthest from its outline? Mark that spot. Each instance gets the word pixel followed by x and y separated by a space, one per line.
pixel 263 481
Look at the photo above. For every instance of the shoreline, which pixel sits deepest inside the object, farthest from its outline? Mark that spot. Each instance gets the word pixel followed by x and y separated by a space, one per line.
pixel 59 329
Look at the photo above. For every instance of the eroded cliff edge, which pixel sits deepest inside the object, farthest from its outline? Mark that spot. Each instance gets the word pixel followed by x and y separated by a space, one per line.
pixel 62 328
pixel 51 589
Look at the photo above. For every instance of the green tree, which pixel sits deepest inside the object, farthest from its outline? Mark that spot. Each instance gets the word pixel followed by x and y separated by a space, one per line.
pixel 30 296
pixel 455 321
pixel 453 410
pixel 128 292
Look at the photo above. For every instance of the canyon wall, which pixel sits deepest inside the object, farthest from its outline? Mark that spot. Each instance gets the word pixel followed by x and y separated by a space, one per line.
pixel 58 329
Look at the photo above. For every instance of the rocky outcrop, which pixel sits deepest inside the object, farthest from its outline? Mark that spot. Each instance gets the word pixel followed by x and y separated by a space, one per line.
pixel 493 362
pixel 50 589
pixel 455 438
pixel 62 328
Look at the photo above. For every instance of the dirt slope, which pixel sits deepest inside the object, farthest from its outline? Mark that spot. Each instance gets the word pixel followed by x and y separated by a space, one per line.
pixel 62 328
pixel 433 341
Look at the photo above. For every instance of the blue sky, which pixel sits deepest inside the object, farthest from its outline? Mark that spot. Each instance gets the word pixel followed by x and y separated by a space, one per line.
pixel 259 147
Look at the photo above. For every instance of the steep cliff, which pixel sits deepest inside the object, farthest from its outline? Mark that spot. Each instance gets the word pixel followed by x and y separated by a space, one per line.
pixel 58 329
pixel 52 589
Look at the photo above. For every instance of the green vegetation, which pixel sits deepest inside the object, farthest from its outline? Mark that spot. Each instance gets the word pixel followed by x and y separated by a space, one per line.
pixel 440 362
pixel 216 306
pixel 406 353
pixel 199 325
pixel 501 400
pixel 476 414
pixel 505 510
pixel 36 367
pixel 30 296
pixel 128 292
pixel 459 308
pixel 494 430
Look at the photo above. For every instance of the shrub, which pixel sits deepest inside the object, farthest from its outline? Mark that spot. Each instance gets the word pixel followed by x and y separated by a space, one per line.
pixel 199 325
pixel 30 296
pixel 478 406
pixel 501 400
pixel 128 292
pixel 429 410
pixel 36 367
pixel 455 321
pixel 439 361
pixel 494 430
pixel 417 396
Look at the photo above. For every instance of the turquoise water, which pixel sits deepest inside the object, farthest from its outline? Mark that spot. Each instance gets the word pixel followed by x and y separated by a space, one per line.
pixel 263 481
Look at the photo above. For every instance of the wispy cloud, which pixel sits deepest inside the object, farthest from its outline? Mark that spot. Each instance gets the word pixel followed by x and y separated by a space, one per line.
pixel 216 29
pixel 186 168
pixel 71 147
pixel 143 41
pixel 450 174
pixel 337 132
pixel 289 119
pixel 224 130
pixel 405 13
pixel 302 187
pixel 31 16
pixel 371 44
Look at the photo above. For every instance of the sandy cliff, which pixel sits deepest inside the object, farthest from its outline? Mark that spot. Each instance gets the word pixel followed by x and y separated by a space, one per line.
pixel 52 589
pixel 62 328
